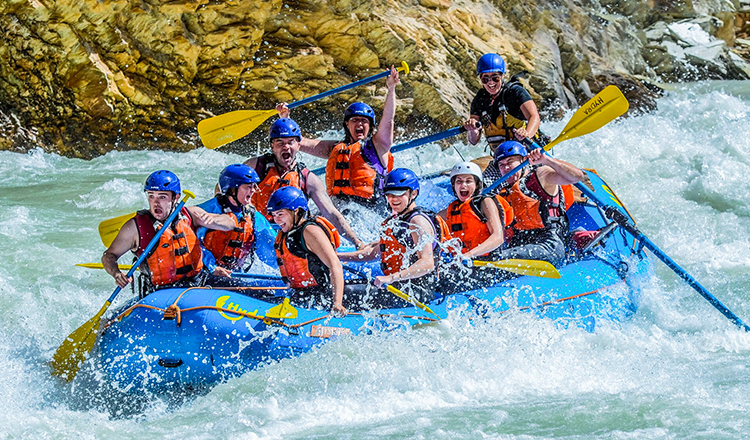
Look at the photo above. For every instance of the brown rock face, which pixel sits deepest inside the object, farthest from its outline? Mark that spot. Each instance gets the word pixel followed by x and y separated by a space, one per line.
pixel 84 77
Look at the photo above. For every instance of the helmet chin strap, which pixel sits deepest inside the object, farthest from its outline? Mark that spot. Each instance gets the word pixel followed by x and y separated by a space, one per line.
pixel 412 201
pixel 514 178
pixel 232 197
pixel 297 218
pixel 479 186
pixel 175 201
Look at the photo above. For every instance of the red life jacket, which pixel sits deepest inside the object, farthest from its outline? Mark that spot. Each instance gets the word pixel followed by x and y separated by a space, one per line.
pixel 468 222
pixel 396 241
pixel 356 171
pixel 299 267
pixel 231 248
pixel 533 208
pixel 271 180
pixel 177 255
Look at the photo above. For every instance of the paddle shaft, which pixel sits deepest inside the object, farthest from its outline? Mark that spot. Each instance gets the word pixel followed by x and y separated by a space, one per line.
pixel 153 243
pixel 415 143
pixel 228 127
pixel 510 173
pixel 617 215
pixel 71 354
pixel 369 79
pixel 507 176
pixel 257 276
pixel 428 139
pixel 598 111
pixel 392 290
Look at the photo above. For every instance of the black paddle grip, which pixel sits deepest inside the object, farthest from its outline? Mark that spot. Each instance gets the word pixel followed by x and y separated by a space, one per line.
pixel 462 129
pixel 617 216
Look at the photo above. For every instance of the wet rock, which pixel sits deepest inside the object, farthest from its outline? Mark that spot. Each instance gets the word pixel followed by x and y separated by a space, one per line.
pixel 84 77
pixel 689 50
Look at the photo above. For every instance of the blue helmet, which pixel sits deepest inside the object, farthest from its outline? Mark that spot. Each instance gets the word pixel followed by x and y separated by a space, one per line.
pixel 510 148
pixel 235 175
pixel 163 180
pixel 287 197
pixel 360 109
pixel 490 62
pixel 400 179
pixel 284 128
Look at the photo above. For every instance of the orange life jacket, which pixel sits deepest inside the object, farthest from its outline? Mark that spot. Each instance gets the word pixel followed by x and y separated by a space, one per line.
pixel 231 248
pixel 271 180
pixel 568 195
pixel 299 267
pixel 396 241
pixel 533 208
pixel 468 222
pixel 356 171
pixel 177 255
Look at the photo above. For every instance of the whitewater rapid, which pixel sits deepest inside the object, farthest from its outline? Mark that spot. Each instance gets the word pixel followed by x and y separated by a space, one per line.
pixel 677 369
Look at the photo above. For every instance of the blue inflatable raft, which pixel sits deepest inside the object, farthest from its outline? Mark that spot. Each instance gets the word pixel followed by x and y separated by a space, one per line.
pixel 198 337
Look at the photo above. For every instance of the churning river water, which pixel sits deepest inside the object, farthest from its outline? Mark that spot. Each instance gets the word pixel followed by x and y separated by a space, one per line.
pixel 677 369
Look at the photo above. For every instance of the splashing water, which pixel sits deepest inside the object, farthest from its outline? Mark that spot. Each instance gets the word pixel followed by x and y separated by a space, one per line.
pixel 677 369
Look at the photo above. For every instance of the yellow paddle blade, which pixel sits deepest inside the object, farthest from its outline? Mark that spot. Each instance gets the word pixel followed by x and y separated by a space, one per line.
pixel 534 268
pixel 69 357
pixel 101 266
pixel 282 311
pixel 408 298
pixel 71 354
pixel 108 229
pixel 223 129
pixel 594 114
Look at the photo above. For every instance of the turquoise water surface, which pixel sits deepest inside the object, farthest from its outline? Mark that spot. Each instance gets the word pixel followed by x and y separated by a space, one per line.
pixel 678 369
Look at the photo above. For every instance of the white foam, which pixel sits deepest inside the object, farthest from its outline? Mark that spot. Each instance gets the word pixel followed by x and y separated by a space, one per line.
pixel 676 369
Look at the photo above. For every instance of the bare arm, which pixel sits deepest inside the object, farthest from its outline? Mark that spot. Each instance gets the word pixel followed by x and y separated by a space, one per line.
pixel 319 244
pixel 531 113
pixel 423 234
pixel 317 148
pixel 316 191
pixel 368 252
pixel 495 225
pixel 251 162
pixel 220 222
pixel 126 240
pixel 556 172
pixel 383 138
pixel 444 213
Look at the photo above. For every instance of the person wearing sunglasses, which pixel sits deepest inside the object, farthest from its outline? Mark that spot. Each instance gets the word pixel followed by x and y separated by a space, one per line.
pixel 505 109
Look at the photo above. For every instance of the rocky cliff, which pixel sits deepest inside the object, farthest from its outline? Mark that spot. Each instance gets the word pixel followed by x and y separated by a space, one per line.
pixel 87 76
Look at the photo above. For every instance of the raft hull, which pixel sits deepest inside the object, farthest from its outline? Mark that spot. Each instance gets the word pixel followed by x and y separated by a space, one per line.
pixel 221 333
pixel 202 336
